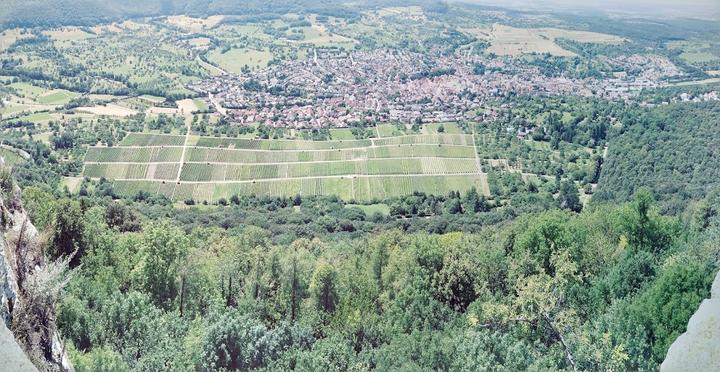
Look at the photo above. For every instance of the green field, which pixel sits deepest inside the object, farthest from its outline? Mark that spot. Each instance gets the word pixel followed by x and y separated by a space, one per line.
pixel 57 97
pixel 38 117
pixel 215 167
pixel 234 60
pixel 201 105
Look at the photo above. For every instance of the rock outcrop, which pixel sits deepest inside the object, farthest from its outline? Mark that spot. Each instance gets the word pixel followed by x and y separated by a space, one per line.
pixel 26 304
pixel 698 349
pixel 12 357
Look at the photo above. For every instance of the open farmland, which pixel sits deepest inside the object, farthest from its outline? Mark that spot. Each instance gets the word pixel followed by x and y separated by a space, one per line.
pixel 210 168
pixel 513 41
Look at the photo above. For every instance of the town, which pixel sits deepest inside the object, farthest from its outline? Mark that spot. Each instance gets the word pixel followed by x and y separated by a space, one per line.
pixel 339 89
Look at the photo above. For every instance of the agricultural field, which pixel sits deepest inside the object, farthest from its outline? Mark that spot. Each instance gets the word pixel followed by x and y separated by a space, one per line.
pixel 512 41
pixel 194 24
pixel 210 168
pixel 702 54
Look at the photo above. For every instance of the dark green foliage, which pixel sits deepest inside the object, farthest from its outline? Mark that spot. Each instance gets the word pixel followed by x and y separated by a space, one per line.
pixel 69 233
pixel 670 301
pixel 669 150
pixel 569 196
pixel 233 299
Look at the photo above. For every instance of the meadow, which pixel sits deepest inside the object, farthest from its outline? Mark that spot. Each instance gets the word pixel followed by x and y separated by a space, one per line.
pixel 234 60
pixel 213 168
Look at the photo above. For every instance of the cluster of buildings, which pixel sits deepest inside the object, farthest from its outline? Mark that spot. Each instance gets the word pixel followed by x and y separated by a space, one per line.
pixel 705 97
pixel 339 89
pixel 379 86
pixel 637 72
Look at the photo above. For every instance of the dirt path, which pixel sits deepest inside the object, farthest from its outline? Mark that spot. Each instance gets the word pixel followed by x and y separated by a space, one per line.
pixel 217 105
pixel 477 157
pixel 182 157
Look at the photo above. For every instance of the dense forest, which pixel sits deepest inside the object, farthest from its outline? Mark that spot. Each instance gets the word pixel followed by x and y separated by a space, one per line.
pixel 609 288
pixel 671 149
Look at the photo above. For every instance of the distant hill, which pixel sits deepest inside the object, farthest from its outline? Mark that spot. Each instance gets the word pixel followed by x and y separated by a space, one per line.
pixel 702 9
pixel 26 13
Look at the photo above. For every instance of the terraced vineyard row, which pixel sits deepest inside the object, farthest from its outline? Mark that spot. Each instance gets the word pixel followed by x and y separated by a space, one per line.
pixel 199 154
pixel 213 167
pixel 348 188
pixel 133 155
pixel 145 139
pixel 132 171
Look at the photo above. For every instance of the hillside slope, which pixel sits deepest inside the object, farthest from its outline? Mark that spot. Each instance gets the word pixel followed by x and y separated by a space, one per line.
pixel 672 150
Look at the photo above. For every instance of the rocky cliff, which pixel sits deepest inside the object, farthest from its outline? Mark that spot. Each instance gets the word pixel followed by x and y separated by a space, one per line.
pixel 28 289
pixel 698 349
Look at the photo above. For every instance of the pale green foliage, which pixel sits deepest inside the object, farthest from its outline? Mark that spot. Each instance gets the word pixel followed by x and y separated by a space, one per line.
pixel 99 360
pixel 40 205
pixel 323 287
pixel 163 249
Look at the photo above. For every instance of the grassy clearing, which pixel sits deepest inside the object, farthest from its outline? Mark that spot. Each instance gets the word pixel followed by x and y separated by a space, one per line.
pixel 319 36
pixel 697 82
pixel 152 99
pixel 341 134
pixel 72 183
pixel 186 106
pixel 57 97
pixel 8 37
pixel 28 90
pixel 201 105
pixel 441 128
pixel 37 118
pixel 235 59
pixel 389 130
pixel 695 52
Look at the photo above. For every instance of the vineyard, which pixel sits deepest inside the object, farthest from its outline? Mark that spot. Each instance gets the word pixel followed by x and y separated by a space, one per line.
pixel 211 168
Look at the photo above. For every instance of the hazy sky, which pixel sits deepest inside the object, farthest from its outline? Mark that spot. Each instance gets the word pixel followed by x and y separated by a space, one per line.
pixel 651 8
